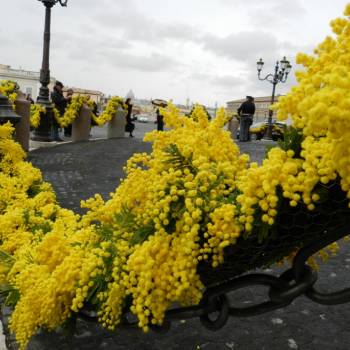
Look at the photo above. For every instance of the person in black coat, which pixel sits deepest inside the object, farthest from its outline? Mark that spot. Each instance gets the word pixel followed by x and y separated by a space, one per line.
pixel 29 98
pixel 130 126
pixel 94 108
pixel 160 121
pixel 246 112
pixel 60 103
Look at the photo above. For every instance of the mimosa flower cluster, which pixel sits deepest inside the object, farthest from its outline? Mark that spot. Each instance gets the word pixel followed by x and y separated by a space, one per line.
pixel 180 198
pixel 110 111
pixel 143 243
pixel 72 111
pixel 183 203
pixel 77 102
pixel 262 128
pixel 320 104
pixel 36 111
pixel 8 88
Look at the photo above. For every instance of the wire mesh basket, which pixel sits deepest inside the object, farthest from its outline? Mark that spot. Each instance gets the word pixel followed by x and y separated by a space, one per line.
pixel 295 228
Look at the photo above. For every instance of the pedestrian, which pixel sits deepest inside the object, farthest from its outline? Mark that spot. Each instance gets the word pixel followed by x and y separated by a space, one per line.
pixel 68 129
pixel 246 112
pixel 29 98
pixel 130 126
pixel 94 108
pixel 232 126
pixel 60 104
pixel 159 121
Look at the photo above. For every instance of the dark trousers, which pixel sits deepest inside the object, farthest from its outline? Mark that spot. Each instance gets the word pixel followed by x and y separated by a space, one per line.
pixel 160 126
pixel 55 130
pixel 246 122
pixel 68 130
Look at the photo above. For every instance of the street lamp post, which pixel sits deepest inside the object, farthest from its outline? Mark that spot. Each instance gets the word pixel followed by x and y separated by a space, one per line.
pixel 282 69
pixel 43 132
pixel 7 113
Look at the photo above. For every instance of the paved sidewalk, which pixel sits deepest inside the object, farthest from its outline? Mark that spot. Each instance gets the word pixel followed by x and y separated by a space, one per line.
pixel 77 171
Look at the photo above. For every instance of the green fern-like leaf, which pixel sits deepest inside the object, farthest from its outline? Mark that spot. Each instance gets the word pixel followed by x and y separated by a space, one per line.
pixel 6 259
pixel 292 140
pixel 10 294
pixel 177 160
pixel 105 232
pixel 45 228
pixel 125 218
pixel 141 234
pixel 34 189
pixel 26 217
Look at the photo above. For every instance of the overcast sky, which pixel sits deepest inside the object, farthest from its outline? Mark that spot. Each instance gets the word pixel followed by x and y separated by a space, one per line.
pixel 202 49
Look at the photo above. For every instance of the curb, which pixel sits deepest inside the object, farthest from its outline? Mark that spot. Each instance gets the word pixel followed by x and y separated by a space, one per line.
pixel 34 145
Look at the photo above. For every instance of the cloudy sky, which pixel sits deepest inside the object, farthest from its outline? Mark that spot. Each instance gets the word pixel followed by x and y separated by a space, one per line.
pixel 202 49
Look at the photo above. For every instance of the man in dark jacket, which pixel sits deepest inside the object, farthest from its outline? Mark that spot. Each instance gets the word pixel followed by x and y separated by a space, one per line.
pixel 130 126
pixel 246 112
pixel 60 103
pixel 159 121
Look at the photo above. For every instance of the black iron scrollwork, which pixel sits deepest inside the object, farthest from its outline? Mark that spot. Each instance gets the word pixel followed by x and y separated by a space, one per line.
pixel 214 309
pixel 296 281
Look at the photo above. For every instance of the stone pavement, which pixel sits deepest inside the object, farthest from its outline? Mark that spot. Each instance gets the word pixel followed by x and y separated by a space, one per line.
pixel 77 171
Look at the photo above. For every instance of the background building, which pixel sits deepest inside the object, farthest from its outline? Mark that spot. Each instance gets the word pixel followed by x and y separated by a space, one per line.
pixel 262 105
pixel 95 95
pixel 28 81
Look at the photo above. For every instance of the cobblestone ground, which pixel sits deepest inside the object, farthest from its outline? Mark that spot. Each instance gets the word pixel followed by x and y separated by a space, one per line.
pixel 77 171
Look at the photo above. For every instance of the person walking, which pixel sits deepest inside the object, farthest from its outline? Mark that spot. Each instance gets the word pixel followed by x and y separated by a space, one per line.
pixel 159 121
pixel 29 98
pixel 130 126
pixel 60 104
pixel 94 108
pixel 246 112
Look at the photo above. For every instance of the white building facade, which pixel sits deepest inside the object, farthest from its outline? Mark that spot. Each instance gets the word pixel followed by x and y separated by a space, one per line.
pixel 28 81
